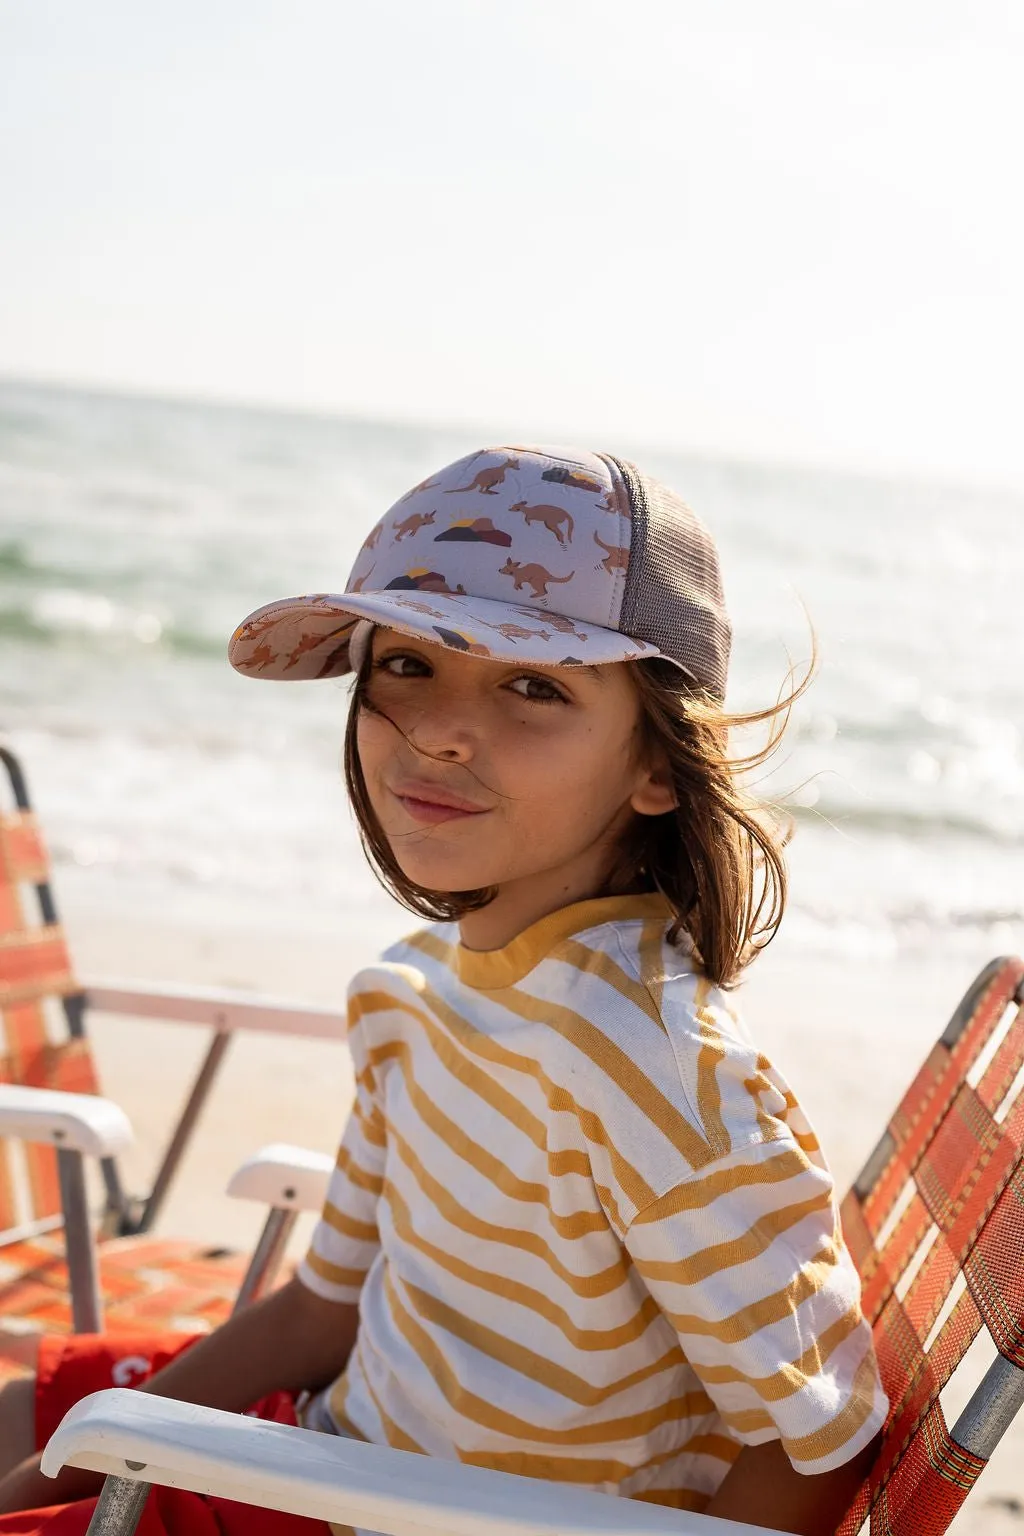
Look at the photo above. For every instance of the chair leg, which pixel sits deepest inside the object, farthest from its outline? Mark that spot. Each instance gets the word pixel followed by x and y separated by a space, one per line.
pixel 119 1508
pixel 267 1256
pixel 991 1409
pixel 86 1305
pixel 205 1079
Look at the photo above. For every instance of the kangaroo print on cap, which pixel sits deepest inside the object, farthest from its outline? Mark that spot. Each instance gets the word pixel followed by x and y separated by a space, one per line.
pixel 519 554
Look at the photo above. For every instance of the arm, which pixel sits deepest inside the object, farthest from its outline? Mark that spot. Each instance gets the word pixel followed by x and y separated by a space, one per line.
pixel 762 1488
pixel 766 1304
pixel 291 1340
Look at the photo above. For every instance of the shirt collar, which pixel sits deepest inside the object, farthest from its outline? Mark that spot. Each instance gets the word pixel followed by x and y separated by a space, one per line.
pixel 489 969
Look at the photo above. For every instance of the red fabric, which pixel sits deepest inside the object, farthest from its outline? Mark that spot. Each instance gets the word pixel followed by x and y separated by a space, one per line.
pixel 928 1485
pixel 73 1366
pixel 962 1148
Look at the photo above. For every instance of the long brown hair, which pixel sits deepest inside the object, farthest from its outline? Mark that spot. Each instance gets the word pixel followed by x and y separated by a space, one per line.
pixel 717 857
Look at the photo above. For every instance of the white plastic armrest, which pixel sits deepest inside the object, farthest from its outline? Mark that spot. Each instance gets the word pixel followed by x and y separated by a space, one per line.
pixel 324 1477
pixel 79 1122
pixel 223 1010
pixel 288 1178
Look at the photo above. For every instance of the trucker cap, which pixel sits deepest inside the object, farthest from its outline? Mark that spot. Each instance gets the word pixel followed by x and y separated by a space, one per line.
pixel 558 557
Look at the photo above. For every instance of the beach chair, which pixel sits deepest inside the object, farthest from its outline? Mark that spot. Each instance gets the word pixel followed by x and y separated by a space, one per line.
pixel 52 1118
pixel 935 1222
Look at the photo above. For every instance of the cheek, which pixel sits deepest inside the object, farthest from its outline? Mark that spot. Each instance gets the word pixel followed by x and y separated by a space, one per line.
pixel 375 740
pixel 570 779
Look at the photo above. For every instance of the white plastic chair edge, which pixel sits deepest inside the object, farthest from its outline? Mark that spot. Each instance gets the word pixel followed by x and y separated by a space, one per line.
pixel 142 1438
pixel 288 1179
pixel 78 1125
pixel 283 1176
pixel 73 1122
pixel 219 1009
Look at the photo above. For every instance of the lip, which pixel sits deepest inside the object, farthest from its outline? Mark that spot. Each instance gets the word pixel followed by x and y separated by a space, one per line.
pixel 430 803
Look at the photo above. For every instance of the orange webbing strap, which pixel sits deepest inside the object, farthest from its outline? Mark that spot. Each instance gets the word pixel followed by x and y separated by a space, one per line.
pixel 17 1027
pixel 962 1148
pixel 35 963
pixel 34 966
pixel 22 853
pixel 34 960
pixel 11 857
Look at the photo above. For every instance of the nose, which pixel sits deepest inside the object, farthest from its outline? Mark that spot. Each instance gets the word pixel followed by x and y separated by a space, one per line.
pixel 448 728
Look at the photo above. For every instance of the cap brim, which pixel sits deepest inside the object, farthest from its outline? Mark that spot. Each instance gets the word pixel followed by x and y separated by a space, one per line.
pixel 308 637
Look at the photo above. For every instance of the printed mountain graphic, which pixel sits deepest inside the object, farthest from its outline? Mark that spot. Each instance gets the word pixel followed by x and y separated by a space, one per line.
pixel 577 478
pixel 422 580
pixel 479 530
pixel 459 642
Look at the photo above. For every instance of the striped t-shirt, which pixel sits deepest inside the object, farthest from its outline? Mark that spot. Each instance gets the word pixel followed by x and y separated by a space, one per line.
pixel 589 1228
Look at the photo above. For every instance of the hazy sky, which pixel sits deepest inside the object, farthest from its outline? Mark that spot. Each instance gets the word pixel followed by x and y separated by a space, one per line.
pixel 791 229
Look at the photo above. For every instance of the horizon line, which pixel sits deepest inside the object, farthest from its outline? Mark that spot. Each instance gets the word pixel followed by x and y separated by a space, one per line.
pixel 918 476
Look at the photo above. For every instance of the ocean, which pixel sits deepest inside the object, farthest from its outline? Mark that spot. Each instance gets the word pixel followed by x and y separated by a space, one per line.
pixel 135 533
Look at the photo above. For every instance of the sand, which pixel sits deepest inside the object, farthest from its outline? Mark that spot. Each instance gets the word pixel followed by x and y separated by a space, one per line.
pixel 849 1036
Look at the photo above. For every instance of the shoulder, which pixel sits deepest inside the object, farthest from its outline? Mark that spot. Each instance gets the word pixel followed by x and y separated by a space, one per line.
pixel 617 970
pixel 437 941
pixel 684 1052
pixel 433 944
pixel 403 971
pixel 422 940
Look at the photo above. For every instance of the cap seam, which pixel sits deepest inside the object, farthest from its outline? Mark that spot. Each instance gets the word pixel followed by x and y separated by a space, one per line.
pixel 624 534
pixel 639 521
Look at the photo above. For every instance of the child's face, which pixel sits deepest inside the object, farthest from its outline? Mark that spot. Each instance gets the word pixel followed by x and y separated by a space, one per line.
pixel 520 777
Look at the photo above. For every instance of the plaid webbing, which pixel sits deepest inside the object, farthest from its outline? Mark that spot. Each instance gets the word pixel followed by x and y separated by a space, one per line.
pixel 35 974
pixel 935 1225
pixel 146 1282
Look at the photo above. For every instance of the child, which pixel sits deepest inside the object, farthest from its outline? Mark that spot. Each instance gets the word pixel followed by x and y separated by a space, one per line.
pixel 579 1227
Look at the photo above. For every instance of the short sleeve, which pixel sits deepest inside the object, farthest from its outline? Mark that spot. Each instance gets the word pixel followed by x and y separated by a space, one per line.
pixel 746 1259
pixel 345 1240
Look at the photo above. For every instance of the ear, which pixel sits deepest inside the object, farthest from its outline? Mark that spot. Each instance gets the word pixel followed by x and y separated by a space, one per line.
pixel 653 794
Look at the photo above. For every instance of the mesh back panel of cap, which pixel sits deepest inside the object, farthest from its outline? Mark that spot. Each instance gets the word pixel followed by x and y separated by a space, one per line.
pixel 673 594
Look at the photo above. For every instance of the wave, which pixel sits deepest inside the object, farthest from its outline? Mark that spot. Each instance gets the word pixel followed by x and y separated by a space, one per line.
pixel 916 827
pixel 87 620
pixel 16 561
pixel 21 568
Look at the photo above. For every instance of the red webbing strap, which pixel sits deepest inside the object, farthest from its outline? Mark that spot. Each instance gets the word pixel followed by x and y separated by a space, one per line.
pixel 888 1264
pixel 933 1089
pixel 966 1214
pixel 998 1076
pixel 928 1486
pixel 920 1471
pixel 995 1272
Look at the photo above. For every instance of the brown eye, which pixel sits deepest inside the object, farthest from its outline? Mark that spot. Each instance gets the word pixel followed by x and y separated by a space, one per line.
pixel 538 690
pixel 402 664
